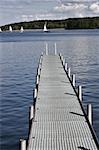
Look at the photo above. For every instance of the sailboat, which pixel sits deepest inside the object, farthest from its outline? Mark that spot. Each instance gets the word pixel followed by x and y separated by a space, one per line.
pixel 10 28
pixel 22 29
pixel 0 30
pixel 45 28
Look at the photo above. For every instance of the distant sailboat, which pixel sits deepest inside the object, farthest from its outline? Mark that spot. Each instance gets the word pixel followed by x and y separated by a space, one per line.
pixel 22 29
pixel 0 30
pixel 10 29
pixel 45 28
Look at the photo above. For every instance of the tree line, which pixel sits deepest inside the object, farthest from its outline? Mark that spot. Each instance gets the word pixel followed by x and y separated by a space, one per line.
pixel 71 23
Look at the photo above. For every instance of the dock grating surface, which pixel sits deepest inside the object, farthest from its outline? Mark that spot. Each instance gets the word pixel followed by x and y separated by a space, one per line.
pixel 59 120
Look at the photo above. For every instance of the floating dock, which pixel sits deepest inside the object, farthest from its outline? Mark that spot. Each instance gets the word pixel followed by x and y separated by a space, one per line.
pixel 57 118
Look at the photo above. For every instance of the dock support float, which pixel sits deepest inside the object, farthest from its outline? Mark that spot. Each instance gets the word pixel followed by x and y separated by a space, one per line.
pixel 66 67
pixel 40 61
pixel 37 82
pixel 22 144
pixel 31 115
pixel 74 80
pixel 80 92
pixel 63 62
pixel 69 72
pixel 35 93
pixel 38 72
pixel 89 113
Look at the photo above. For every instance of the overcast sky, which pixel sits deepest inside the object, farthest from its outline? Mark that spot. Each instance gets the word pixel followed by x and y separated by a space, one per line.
pixel 26 10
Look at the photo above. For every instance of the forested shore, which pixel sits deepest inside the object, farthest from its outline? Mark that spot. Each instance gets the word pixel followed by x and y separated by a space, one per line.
pixel 71 23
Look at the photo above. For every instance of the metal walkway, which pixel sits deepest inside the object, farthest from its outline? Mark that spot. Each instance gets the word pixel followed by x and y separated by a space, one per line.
pixel 59 122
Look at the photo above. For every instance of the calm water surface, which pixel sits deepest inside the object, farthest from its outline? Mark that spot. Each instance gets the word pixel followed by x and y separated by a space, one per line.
pixel 19 54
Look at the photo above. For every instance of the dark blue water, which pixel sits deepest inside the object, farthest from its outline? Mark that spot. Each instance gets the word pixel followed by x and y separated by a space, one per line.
pixel 19 54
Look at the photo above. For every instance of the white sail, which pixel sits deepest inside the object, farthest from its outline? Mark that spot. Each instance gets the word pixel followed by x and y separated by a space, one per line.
pixel 10 29
pixel 45 28
pixel 22 29
pixel 0 30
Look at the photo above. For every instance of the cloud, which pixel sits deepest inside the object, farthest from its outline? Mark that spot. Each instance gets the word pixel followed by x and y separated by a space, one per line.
pixel 38 16
pixel 94 7
pixel 81 15
pixel 69 7
pixel 77 8
pixel 27 10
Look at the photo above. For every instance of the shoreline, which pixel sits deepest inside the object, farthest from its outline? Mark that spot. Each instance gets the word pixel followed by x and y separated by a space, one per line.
pixel 41 30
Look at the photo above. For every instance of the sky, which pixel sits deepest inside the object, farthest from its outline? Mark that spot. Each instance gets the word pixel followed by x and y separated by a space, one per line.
pixel 12 11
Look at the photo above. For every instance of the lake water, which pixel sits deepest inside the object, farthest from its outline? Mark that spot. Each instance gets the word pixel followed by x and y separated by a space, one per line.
pixel 19 54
